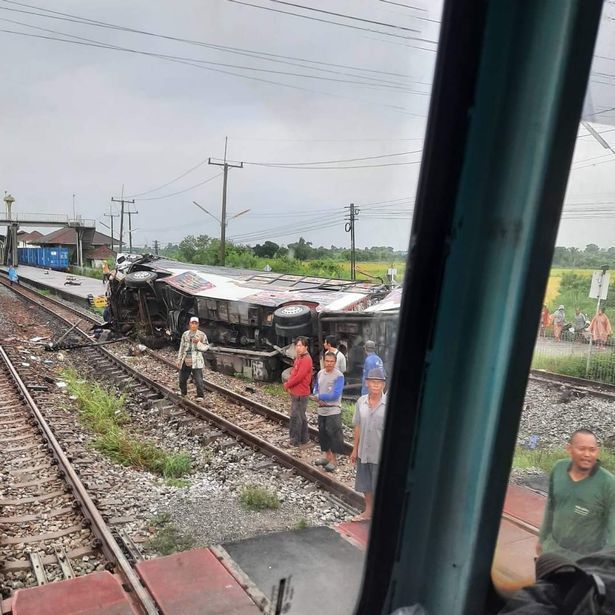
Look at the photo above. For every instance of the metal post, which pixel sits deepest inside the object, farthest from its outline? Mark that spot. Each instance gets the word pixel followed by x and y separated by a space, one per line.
pixel 349 227
pixel 591 337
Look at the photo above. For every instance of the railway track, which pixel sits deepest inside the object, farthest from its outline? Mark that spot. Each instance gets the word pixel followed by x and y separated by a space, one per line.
pixel 51 527
pixel 250 422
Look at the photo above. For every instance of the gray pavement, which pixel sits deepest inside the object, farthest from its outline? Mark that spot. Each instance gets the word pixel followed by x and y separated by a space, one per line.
pixel 77 292
pixel 325 569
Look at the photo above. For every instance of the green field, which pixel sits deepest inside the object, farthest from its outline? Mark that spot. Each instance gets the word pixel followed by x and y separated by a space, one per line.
pixel 365 269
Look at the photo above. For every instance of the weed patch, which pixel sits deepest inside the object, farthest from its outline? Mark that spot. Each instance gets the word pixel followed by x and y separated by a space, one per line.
pixel 601 368
pixel 168 539
pixel 545 459
pixel 275 389
pixel 104 413
pixel 254 497
pixel 302 524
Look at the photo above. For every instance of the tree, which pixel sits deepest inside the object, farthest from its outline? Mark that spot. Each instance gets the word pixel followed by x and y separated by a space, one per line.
pixel 268 250
pixel 592 248
pixel 301 250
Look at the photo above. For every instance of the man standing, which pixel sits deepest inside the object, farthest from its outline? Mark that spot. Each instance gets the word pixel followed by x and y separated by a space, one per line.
pixel 579 322
pixel 372 361
pixel 330 345
pixel 190 358
pixel 368 422
pixel 580 512
pixel 600 328
pixel 328 389
pixel 298 385
pixel 559 318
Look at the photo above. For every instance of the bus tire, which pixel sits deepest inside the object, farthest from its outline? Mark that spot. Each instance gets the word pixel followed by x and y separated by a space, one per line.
pixel 140 279
pixel 292 315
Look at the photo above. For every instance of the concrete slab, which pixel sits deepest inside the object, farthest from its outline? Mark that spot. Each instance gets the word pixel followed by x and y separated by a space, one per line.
pixel 525 505
pixel 194 583
pixel 56 280
pixel 99 593
pixel 325 569
pixel 513 561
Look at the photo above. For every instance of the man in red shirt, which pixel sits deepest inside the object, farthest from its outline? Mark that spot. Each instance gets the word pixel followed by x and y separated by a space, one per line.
pixel 299 386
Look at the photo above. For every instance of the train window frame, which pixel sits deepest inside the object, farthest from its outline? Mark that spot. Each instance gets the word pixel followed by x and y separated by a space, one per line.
pixel 422 551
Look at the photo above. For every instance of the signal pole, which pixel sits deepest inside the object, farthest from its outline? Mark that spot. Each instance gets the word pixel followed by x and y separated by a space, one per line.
pixel 225 165
pixel 353 214
pixel 123 201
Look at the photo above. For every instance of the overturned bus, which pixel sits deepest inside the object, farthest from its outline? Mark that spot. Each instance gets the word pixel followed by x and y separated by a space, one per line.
pixel 250 317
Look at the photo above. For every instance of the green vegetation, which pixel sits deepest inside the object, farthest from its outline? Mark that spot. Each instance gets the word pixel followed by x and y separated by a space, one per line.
pixel 168 539
pixel 593 257
pixel 103 412
pixel 253 497
pixel 545 459
pixel 601 367
pixel 302 524
pixel 180 483
pixel 89 272
pixel 347 413
pixel 275 389
pixel 45 292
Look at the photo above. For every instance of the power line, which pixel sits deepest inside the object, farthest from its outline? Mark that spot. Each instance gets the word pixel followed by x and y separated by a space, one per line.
pixel 402 110
pixel 352 17
pixel 337 23
pixel 271 57
pixel 170 182
pixel 166 196
pixel 371 82
pixel 318 162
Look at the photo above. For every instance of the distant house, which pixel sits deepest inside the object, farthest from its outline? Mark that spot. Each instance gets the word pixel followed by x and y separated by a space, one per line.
pixel 94 257
pixel 26 240
pixel 93 252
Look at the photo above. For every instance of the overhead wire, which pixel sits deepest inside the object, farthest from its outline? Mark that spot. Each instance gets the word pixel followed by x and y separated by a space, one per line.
pixel 166 196
pixel 398 108
pixel 337 23
pixel 345 16
pixel 271 57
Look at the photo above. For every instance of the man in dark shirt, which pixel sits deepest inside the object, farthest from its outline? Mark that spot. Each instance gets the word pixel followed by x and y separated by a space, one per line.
pixel 580 512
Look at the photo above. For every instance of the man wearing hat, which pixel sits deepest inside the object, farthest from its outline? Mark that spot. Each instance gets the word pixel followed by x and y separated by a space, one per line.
pixel 372 361
pixel 368 422
pixel 190 358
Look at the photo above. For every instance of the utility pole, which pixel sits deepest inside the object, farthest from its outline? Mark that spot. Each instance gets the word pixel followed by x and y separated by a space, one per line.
pixel 353 214
pixel 130 214
pixel 156 247
pixel 123 201
pixel 111 215
pixel 226 165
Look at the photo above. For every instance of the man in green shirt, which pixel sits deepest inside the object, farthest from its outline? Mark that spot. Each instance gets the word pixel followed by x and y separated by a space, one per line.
pixel 580 512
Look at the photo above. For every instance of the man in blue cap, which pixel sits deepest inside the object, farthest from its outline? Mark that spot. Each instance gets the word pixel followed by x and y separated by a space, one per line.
pixel 368 422
pixel 372 361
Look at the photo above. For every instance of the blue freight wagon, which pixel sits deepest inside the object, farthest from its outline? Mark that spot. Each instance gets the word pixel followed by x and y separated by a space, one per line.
pixel 48 258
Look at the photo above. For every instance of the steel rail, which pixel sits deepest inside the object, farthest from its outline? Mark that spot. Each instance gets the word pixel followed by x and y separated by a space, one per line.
pixel 594 387
pixel 109 545
pixel 348 495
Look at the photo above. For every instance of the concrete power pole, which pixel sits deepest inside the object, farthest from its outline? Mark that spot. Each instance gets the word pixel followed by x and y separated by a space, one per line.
pixel 353 214
pixel 225 165
pixel 123 201
pixel 111 215
pixel 130 214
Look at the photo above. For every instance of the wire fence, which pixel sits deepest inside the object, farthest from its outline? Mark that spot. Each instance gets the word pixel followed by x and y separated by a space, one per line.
pixel 575 354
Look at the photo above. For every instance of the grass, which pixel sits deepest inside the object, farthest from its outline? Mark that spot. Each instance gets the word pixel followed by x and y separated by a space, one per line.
pixel 374 268
pixel 180 483
pixel 45 292
pixel 348 408
pixel 104 413
pixel 601 368
pixel 545 459
pixel 302 524
pixel 276 389
pixel 253 497
pixel 168 539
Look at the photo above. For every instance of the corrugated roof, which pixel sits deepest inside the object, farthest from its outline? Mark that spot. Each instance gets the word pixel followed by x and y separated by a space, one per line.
pixel 100 253
pixel 29 237
pixel 68 237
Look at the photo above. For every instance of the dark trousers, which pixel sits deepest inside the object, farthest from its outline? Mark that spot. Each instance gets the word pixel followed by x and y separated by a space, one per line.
pixel 298 421
pixel 197 375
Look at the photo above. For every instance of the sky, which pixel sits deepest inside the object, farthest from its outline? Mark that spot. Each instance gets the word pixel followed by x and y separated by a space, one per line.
pixel 320 114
